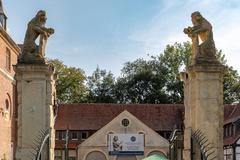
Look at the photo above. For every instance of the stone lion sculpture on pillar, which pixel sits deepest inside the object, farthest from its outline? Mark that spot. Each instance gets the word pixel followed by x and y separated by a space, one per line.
pixel 31 52
pixel 204 52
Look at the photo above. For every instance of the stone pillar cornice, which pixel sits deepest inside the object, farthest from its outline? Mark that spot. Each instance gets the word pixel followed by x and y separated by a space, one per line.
pixel 47 68
pixel 206 68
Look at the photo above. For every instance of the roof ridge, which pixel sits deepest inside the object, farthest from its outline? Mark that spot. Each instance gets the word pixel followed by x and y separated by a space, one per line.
pixel 120 104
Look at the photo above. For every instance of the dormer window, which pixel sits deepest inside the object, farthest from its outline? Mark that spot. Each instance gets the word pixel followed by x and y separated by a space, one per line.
pixel 228 130
pixel 74 135
pixel 3 21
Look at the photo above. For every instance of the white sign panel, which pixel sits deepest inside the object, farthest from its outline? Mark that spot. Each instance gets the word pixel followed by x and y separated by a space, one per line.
pixel 126 144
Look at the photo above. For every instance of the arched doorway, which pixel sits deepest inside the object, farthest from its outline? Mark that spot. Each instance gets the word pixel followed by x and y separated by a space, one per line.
pixel 96 155
pixel 157 153
pixel 126 158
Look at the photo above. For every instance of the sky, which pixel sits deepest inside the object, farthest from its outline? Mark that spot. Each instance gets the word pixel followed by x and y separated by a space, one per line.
pixel 108 33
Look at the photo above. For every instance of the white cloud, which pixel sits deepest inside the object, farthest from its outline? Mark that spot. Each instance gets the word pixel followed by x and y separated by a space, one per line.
pixel 227 38
pixel 166 27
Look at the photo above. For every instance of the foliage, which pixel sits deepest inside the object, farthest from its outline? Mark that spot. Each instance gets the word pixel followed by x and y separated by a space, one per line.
pixel 101 87
pixel 142 82
pixel 231 81
pixel 231 86
pixel 175 58
pixel 70 83
pixel 156 80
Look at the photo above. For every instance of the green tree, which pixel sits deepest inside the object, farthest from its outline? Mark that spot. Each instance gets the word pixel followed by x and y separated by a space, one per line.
pixel 231 81
pixel 101 85
pixel 158 80
pixel 175 58
pixel 231 86
pixel 155 80
pixel 70 83
pixel 142 82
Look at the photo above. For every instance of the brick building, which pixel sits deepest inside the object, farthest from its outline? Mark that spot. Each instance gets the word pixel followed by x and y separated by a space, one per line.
pixel 9 52
pixel 232 133
pixel 82 121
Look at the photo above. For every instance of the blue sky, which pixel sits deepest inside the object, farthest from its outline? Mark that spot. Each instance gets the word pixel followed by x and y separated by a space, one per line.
pixel 109 33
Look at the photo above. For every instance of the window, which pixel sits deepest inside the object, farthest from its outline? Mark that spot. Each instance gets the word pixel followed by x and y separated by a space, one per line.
pixel 60 135
pixel 74 135
pixel 63 135
pixel 84 135
pixel 228 153
pixel 125 122
pixel 167 135
pixel 6 110
pixel 57 135
pixel 7 104
pixel 8 59
pixel 110 132
pixel 58 158
pixel 58 155
pixel 3 22
pixel 238 152
pixel 228 130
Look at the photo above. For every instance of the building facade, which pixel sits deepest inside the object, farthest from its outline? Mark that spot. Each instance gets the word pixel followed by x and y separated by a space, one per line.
pixel 232 133
pixel 82 130
pixel 9 52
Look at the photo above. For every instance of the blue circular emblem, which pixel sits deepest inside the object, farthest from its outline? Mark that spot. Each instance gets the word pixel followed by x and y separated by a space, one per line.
pixel 133 139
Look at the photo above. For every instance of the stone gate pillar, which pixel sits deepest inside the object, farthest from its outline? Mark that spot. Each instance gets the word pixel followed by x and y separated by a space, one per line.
pixel 203 87
pixel 35 90
pixel 203 95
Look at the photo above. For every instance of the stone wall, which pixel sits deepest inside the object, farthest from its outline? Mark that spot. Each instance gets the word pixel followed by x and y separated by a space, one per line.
pixel 36 90
pixel 203 90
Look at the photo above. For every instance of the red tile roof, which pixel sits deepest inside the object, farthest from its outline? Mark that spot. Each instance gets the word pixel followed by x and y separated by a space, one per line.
pixel 159 117
pixel 231 140
pixel 231 113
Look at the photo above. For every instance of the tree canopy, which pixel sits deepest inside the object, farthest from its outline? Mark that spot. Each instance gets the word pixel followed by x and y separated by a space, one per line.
pixel 156 80
pixel 101 86
pixel 70 84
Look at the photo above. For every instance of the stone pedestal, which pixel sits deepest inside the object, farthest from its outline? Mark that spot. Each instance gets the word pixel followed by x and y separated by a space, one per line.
pixel 35 89
pixel 203 91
